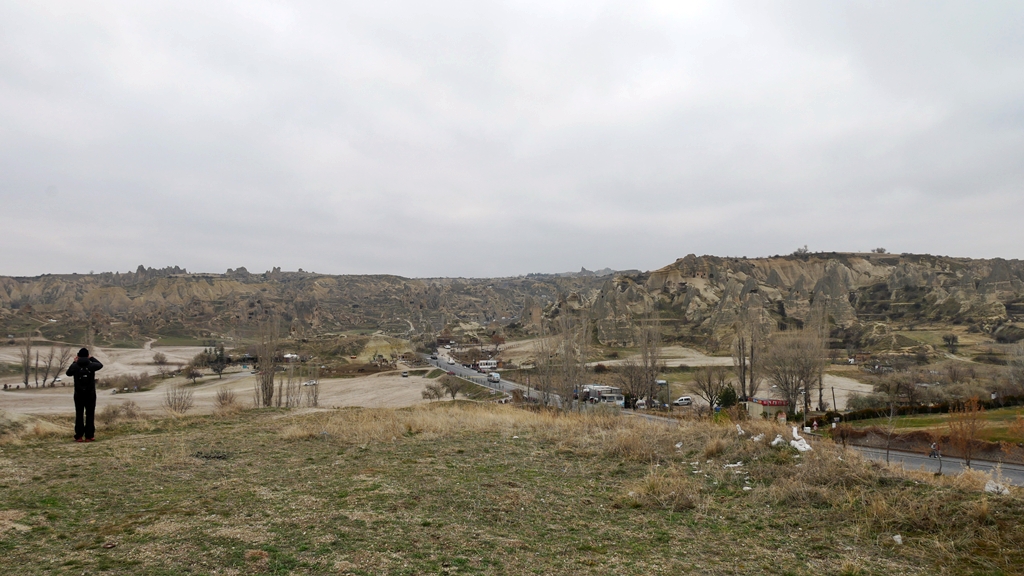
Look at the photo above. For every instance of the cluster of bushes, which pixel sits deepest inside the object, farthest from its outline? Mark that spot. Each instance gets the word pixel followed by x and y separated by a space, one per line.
pixel 133 382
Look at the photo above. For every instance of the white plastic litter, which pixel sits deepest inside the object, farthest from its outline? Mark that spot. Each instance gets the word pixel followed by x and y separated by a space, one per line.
pixel 993 487
pixel 758 438
pixel 736 465
pixel 898 539
pixel 740 431
pixel 778 441
pixel 679 445
pixel 799 443
pixel 747 488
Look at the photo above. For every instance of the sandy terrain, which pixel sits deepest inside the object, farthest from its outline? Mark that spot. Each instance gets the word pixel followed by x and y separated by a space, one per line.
pixel 388 389
pixel 116 361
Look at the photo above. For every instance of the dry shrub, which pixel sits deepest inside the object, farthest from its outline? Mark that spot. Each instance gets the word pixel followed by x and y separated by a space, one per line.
pixel 177 399
pixel 669 488
pixel 109 415
pixel 130 410
pixel 226 403
pixel 715 447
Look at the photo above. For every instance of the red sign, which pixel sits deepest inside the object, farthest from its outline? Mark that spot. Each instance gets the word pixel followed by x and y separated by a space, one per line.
pixel 772 402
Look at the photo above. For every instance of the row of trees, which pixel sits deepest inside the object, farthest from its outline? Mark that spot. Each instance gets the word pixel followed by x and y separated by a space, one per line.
pixel 49 365
pixel 285 388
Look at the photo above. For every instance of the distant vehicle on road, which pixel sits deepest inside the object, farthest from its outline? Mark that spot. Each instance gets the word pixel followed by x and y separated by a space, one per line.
pixel 683 401
pixel 487 365
pixel 447 346
pixel 433 356
pixel 405 374
pixel 494 377
pixel 450 373
pixel 451 361
pixel 310 383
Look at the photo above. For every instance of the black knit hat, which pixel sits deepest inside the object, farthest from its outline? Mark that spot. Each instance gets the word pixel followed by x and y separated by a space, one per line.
pixel 83 353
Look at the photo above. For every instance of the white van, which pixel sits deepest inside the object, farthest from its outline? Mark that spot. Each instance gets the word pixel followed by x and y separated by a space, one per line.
pixel 494 377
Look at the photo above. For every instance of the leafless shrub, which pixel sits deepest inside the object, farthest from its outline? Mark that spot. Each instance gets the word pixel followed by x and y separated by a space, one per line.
pixel 130 410
pixel 109 415
pixel 225 397
pixel 433 391
pixel 178 399
pixel 159 358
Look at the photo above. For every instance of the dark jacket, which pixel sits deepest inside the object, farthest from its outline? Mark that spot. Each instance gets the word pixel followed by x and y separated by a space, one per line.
pixel 84 372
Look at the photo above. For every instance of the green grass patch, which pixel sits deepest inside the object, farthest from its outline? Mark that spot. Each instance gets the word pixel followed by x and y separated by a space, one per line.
pixel 436 372
pixel 465 488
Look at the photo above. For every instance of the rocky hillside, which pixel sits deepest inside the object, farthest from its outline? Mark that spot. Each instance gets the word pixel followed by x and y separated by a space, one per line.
pixel 126 309
pixel 705 296
pixel 697 298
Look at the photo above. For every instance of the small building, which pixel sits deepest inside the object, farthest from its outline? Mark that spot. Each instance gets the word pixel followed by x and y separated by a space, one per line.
pixel 758 407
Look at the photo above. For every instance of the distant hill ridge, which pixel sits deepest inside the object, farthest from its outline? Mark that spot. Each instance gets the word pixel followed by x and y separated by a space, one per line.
pixel 695 296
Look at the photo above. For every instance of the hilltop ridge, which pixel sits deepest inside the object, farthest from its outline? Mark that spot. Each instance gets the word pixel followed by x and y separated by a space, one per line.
pixel 696 298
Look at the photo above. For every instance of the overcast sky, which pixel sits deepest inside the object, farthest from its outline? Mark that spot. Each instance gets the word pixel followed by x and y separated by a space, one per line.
pixel 484 139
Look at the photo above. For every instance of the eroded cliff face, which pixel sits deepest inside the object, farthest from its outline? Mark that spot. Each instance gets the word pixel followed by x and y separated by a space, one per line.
pixel 124 308
pixel 696 297
pixel 708 295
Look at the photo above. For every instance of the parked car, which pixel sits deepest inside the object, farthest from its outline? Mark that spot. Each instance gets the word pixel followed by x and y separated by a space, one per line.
pixel 433 356
pixel 450 373
pixel 451 361
pixel 310 383
pixel 405 374
pixel 683 401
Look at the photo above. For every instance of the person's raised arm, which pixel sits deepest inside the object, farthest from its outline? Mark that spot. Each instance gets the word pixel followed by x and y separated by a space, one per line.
pixel 95 364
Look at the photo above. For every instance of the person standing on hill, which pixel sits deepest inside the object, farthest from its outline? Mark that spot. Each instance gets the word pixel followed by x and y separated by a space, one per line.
pixel 83 369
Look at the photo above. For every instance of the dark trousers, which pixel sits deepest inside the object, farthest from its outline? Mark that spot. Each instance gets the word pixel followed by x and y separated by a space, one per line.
pixel 85 413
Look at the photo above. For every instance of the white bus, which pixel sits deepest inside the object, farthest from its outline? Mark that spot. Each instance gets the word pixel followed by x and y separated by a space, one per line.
pixel 488 365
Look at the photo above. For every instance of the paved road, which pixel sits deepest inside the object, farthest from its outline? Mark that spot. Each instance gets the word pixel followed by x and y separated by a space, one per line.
pixel 1012 473
pixel 505 386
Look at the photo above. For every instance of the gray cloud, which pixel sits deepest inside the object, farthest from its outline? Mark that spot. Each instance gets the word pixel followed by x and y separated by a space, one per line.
pixel 463 138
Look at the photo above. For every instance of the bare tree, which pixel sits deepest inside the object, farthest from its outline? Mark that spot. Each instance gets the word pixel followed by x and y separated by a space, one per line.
pixel 709 382
pixel 649 343
pixel 25 355
pixel 452 385
pixel 889 388
pixel 64 355
pixel 1016 367
pixel 159 358
pixel 791 363
pixel 544 368
pixel 312 387
pixel 573 346
pixel 740 360
pixel 817 330
pixel 266 363
pixel 630 377
pixel 965 425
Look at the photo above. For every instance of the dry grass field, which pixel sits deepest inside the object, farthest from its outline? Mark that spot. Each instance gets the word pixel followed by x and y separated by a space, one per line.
pixel 467 488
